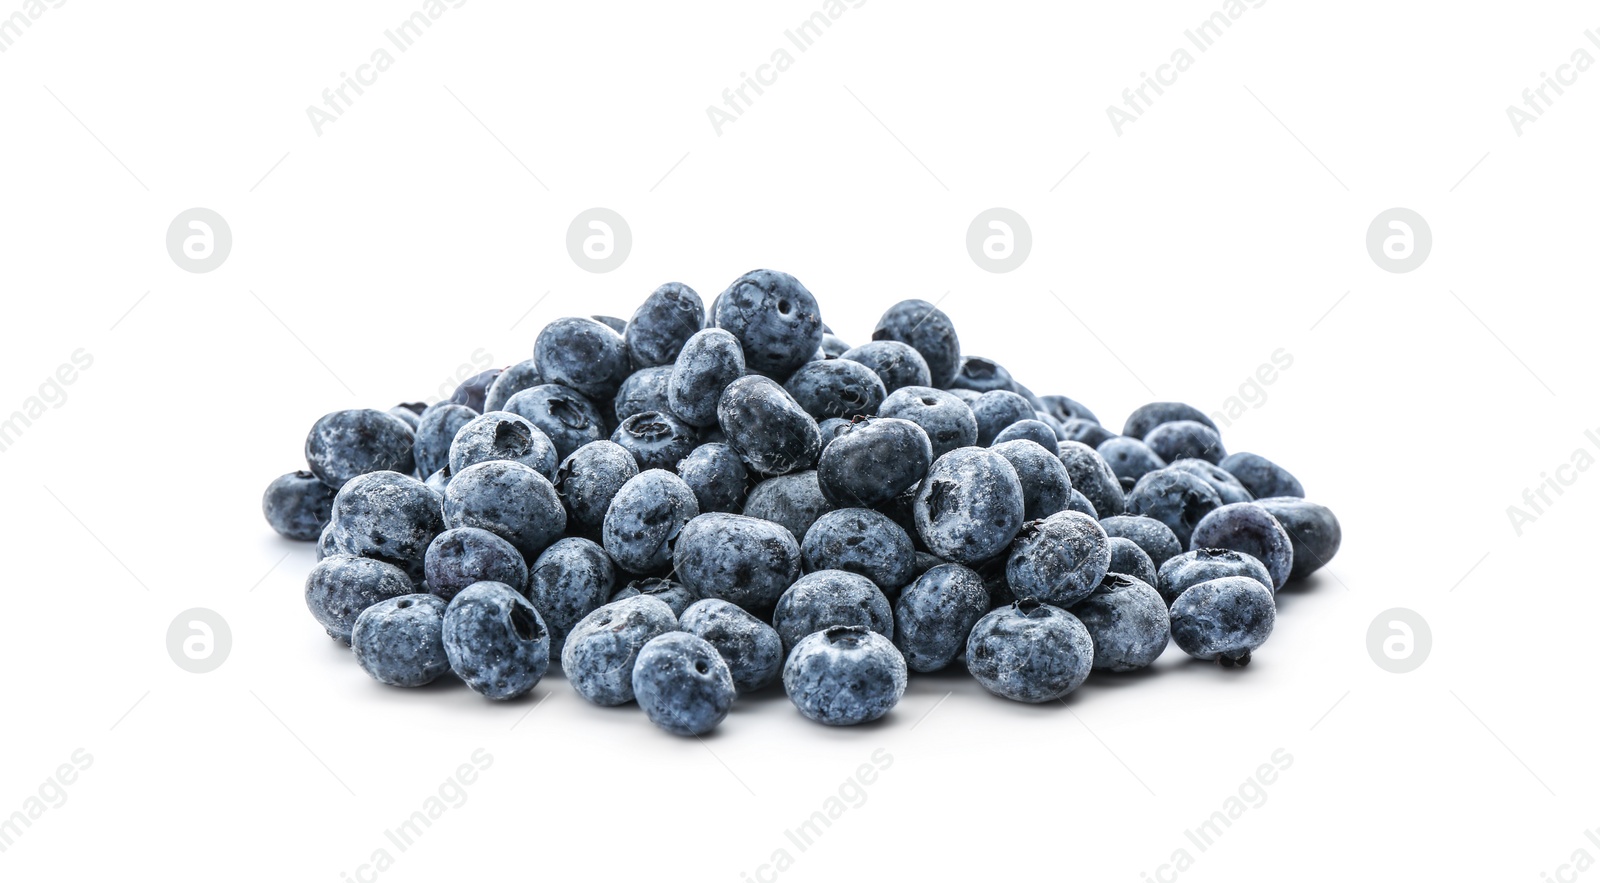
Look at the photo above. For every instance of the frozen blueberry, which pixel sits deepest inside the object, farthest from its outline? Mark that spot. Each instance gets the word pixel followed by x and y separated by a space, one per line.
pixel 1030 430
pixel 1182 439
pixel 1175 498
pixel 523 375
pixel 765 425
pixel 1035 401
pixel 682 684
pixel 497 642
pixel 735 558
pixel 567 582
pixel 831 428
pixel 1065 409
pixel 1227 618
pixel 509 500
pixel 997 409
pixel 341 586
pixel 709 361
pixel 1092 477
pixel 612 322
pixel 983 375
pixel 345 444
pixel 436 431
pixel 1192 568
pixel 1046 486
pixel 1127 620
pixel 794 501
pixel 1154 537
pixel 667 318
pixel 409 412
pixel 1228 488
pixel 675 595
pixel 833 346
pixel 502 435
pixel 930 332
pixel 947 420
pixel 1129 457
pixel 1148 417
pixel 602 648
pixel 388 516
pixel 645 517
pixel 462 556
pixel 1313 531
pixel 970 506
pixel 845 675
pixel 657 439
pixel 897 364
pixel 400 642
pixel 1077 502
pixel 873 461
pixel 827 598
pixel 474 391
pixel 1261 476
pixel 750 647
pixel 1251 529
pixel 297 505
pixel 1086 432
pixel 935 613
pixel 860 541
pixel 561 413
pixel 582 354
pixel 589 478
pixel 1130 560
pixel 644 390
pixel 1059 560
pixel 716 475
pixel 1030 652
pixel 439 480
pixel 775 319
pixel 836 388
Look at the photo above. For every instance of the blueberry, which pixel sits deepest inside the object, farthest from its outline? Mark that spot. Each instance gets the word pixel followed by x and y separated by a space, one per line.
pixel 1030 652
pixel 523 375
pixel 1046 486
pixel 1228 618
pixel 1129 457
pixel 926 561
pixel 497 642
pixel 473 391
pixel 657 439
pixel 1182 439
pixel 1092 477
pixel 1154 537
pixel 1251 529
pixel 1033 400
pixel 1127 621
pixel 794 501
pixel 345 444
pixel 1059 560
pixel 1202 565
pixel 709 361
pixel 873 461
pixel 297 505
pixel 1130 560
pixel 502 435
pixel 667 318
pixel 509 500
pixel 1313 531
pixel 1261 476
pixel 1065 409
pixel 612 322
pixel 645 517
pixel 462 556
pixel 602 648
pixel 1175 498
pixel 947 420
pixel 997 409
pixel 898 365
pixel 775 319
pixel 970 506
pixel 409 412
pixel 830 429
pixel 984 375
pixel 769 430
pixel 582 354
pixel 682 684
pixel 435 432
pixel 860 541
pixel 826 598
pixel 1086 432
pixel 589 478
pixel 388 516
pixel 439 480
pixel 1077 502
pixel 930 332
pixel 341 586
pixel 833 346
pixel 836 388
pixel 735 558
pixel 570 420
pixel 400 642
pixel 716 475
pixel 644 390
pixel 567 582
pixel 1036 431
pixel 1228 488
pixel 845 675
pixel 1148 417
pixel 750 647
pixel 935 613
pixel 675 595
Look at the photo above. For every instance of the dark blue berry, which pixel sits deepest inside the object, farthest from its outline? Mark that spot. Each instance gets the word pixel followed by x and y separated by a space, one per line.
pixel 861 541
pixel 657 439
pixel 1030 652
pixel 602 648
pixel 298 505
pixel 970 505
pixel 497 642
pixel 345 444
pixel 682 684
pixel 930 332
pixel 750 647
pixel 400 642
pixel 1228 618
pixel 667 318
pixel 645 517
pixel 935 613
pixel 462 556
pixel 845 675
pixel 735 558
pixel 709 361
pixel 582 354
pixel 769 430
pixel 775 319
pixel 873 461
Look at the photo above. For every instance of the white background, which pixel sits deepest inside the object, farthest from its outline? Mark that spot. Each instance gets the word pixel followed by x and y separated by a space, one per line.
pixel 372 261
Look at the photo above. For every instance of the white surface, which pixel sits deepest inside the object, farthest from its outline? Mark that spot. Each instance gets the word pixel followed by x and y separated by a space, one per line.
pixel 405 239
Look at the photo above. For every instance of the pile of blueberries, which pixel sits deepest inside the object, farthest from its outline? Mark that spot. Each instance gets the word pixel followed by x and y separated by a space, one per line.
pixel 685 506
